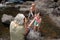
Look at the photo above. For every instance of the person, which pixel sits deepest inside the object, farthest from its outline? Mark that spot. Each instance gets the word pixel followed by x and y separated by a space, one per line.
pixel 32 11
pixel 30 15
pixel 33 8
pixel 26 25
pixel 36 21
pixel 17 29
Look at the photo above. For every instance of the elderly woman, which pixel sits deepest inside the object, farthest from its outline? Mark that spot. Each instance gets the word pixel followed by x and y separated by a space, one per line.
pixel 17 29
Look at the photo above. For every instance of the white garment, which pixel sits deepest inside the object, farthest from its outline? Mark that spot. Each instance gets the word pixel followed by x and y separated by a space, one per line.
pixel 16 31
pixel 19 18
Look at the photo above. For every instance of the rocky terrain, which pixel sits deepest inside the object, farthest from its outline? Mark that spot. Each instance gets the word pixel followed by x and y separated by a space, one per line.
pixel 51 17
pixel 52 8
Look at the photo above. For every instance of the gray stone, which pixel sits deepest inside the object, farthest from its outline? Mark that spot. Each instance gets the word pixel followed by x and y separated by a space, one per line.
pixel 6 19
pixel 33 35
pixel 55 19
pixel 56 11
pixel 2 5
pixel 24 9
pixel 52 5
pixel 58 3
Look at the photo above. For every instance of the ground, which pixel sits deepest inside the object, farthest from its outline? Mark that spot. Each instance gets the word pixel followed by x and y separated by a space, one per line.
pixel 48 30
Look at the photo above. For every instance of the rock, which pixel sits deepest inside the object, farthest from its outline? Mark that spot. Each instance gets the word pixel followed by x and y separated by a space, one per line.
pixel 24 9
pixel 55 20
pixel 15 0
pixel 17 6
pixel 28 2
pixel 52 5
pixel 2 5
pixel 56 11
pixel 58 3
pixel 6 19
pixel 33 35
pixel 8 2
pixel 47 3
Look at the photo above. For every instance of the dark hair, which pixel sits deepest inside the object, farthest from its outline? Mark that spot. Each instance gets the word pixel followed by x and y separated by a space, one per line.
pixel 40 14
pixel 26 16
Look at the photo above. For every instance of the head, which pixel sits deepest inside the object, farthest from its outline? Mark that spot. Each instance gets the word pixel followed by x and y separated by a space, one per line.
pixel 19 18
pixel 26 16
pixel 33 4
pixel 38 15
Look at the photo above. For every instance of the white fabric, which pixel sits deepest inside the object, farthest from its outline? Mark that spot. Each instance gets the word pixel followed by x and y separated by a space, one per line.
pixel 17 29
pixel 19 18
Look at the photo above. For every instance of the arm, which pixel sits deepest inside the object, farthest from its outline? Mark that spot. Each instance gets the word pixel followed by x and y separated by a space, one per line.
pixel 25 22
pixel 31 23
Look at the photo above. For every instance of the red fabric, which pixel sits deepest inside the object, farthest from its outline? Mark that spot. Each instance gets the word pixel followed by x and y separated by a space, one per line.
pixel 38 19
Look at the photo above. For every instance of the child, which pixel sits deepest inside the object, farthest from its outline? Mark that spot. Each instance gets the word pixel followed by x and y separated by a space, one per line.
pixel 26 25
pixel 36 21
